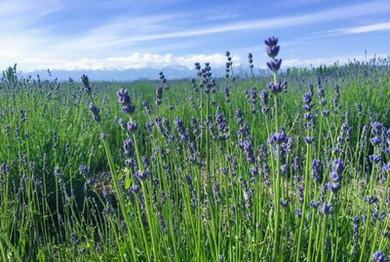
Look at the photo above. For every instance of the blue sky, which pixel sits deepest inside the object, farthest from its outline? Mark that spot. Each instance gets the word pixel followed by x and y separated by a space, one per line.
pixel 107 35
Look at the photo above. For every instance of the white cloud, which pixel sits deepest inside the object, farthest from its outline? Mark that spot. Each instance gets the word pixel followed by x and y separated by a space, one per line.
pixel 133 61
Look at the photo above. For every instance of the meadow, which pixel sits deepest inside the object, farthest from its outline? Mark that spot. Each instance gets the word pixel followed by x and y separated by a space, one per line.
pixel 287 165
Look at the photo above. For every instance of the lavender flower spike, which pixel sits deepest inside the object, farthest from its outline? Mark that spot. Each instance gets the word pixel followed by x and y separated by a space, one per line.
pixel 125 100
pixel 86 84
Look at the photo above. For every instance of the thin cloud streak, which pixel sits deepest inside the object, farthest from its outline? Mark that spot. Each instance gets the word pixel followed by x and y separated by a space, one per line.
pixel 295 62
pixel 384 26
pixel 280 22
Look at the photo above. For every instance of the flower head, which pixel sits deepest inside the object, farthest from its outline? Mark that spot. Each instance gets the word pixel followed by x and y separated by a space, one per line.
pixel 86 84
pixel 125 101
pixel 378 256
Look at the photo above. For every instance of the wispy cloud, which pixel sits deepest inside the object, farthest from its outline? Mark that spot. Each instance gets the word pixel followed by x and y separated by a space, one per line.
pixel 278 22
pixel 375 27
pixel 297 62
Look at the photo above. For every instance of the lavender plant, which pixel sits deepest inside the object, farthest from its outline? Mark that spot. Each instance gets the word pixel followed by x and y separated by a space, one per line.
pixel 236 170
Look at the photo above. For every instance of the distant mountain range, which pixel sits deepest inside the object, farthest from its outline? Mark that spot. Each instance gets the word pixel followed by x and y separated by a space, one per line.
pixel 120 75
pixel 123 75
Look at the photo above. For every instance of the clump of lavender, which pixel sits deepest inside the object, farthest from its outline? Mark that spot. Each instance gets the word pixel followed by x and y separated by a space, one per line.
pixel 272 51
pixel 274 65
pixel 250 61
pixel 163 80
pixel 246 146
pixel 336 99
pixel 355 235
pixel 277 87
pixel 4 168
pixel 222 125
pixel 279 137
pixel 183 134
pixel 317 170
pixel 378 132
pixel 321 95
pixel 95 112
pixel 86 84
pixel 251 65
pixel 243 130
pixel 327 208
pixel 132 125
pixel 227 94
pixel 207 83
pixel 264 101
pixel 85 172
pixel 252 99
pixel 336 175
pixel 125 101
pixel 344 137
pixel 308 115
pixel 229 63
pixel 159 94
pixel 378 256
pixel 128 147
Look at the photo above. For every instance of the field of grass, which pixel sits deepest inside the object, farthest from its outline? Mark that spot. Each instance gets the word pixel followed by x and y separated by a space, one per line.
pixel 241 168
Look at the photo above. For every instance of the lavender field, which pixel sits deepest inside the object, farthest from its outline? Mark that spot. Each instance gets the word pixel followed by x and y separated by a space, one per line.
pixel 287 165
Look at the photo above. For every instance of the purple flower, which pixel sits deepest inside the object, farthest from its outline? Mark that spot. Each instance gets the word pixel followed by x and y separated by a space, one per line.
pixel 375 158
pixel 378 256
pixel 284 202
pixel 284 169
pixel 309 139
pixel 125 101
pixel 86 84
pixel 314 204
pixel 274 65
pixel 278 87
pixel 271 41
pixel 181 128
pixel 334 187
pixel 250 60
pixel 376 140
pixel 264 101
pixel 317 170
pixel 338 166
pixel 159 94
pixel 371 199
pixel 326 208
pixel 254 171
pixel 376 128
pixel 142 174
pixel 279 138
pixel 95 111
pixel 84 170
pixel 132 126
pixel 4 168
pixel 264 97
pixel 307 98
pixel 336 175
pixel 128 147
pixel 246 146
pixel 273 51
